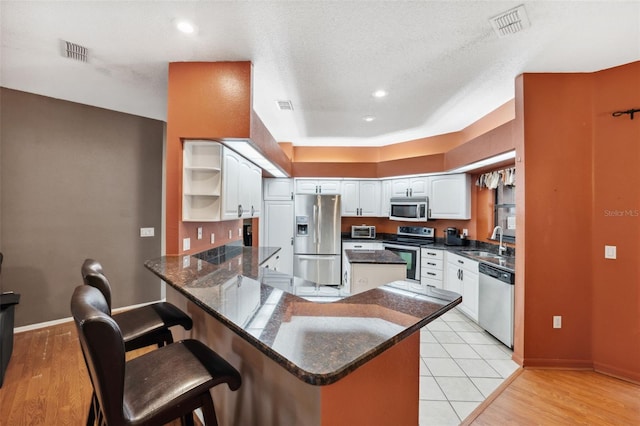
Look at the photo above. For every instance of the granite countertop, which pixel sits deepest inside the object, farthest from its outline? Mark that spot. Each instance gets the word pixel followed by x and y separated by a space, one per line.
pixel 373 256
pixel 264 308
pixel 507 262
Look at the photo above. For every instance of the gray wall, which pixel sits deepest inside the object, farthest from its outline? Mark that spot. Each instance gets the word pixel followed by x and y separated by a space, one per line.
pixel 76 182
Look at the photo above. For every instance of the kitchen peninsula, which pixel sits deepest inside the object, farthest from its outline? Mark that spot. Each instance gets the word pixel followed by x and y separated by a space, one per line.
pixel 352 361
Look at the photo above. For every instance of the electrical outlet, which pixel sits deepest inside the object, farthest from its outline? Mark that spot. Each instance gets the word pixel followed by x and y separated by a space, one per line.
pixel 199 232
pixel 465 232
pixel 147 232
pixel 557 321
pixel 610 252
pixel 230 234
pixel 213 238
pixel 186 244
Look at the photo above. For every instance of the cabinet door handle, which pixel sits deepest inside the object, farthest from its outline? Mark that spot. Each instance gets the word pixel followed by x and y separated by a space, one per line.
pixel 431 254
pixel 431 264
pixel 461 262
pixel 253 211
pixel 239 210
pixel 461 274
pixel 431 273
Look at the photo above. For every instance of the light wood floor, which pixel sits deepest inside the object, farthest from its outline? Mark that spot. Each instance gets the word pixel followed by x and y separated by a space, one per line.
pixel 47 384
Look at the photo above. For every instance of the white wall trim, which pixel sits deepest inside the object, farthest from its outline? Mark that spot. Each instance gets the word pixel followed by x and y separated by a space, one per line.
pixel 52 323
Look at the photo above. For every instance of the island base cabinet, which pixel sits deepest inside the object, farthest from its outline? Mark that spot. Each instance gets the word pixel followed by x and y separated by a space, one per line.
pixel 383 391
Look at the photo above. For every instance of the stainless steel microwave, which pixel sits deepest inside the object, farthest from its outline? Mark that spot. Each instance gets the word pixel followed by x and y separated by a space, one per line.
pixel 409 209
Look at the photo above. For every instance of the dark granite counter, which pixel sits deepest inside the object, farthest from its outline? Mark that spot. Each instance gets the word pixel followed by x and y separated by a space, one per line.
pixel 373 256
pixel 319 343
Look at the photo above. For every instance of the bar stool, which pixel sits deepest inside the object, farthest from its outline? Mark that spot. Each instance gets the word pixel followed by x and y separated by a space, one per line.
pixel 143 326
pixel 140 327
pixel 152 389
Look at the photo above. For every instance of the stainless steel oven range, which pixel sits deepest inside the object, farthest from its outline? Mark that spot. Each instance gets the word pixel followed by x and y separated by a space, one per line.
pixel 407 245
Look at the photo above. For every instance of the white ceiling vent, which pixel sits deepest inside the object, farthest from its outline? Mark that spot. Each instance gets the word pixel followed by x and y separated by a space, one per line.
pixel 285 105
pixel 75 51
pixel 510 22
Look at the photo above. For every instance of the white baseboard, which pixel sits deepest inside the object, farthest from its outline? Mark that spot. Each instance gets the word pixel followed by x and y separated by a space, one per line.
pixel 46 324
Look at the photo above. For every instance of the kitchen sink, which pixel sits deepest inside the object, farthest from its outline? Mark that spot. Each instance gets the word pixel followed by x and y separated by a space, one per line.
pixel 482 253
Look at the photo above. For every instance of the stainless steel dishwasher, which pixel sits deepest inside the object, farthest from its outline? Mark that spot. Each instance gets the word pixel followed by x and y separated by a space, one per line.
pixel 496 301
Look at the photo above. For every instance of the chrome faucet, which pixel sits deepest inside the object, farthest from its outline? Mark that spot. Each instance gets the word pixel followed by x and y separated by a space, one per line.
pixel 501 248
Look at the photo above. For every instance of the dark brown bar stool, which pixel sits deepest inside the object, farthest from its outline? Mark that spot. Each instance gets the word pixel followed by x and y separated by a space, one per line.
pixel 143 326
pixel 152 389
pixel 140 327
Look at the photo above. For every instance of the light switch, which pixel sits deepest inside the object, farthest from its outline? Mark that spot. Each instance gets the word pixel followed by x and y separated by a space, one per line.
pixel 557 321
pixel 186 244
pixel 213 238
pixel 609 252
pixel 199 232
pixel 230 234
pixel 147 232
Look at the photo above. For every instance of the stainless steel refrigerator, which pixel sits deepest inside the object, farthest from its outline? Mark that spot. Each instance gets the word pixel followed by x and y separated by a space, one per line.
pixel 316 246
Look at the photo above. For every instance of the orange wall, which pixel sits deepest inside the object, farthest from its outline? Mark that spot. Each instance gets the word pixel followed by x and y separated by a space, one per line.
pixel 430 154
pixel 218 106
pixel 577 163
pixel 616 187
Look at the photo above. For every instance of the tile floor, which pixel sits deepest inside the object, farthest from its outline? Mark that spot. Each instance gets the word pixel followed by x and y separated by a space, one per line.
pixel 461 365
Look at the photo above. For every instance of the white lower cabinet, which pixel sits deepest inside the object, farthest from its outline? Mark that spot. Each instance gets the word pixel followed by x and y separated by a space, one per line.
pixel 462 277
pixel 432 267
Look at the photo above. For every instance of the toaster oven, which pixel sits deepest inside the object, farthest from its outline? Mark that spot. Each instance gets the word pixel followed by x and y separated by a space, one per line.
pixel 363 231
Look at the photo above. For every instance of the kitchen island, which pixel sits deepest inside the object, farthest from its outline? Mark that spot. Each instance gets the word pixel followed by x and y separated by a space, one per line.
pixel 367 269
pixel 353 361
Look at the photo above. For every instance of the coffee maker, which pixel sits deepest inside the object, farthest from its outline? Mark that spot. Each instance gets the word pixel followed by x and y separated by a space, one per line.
pixel 452 237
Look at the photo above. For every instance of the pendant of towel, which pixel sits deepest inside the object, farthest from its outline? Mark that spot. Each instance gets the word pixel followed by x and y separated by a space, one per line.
pixel 491 180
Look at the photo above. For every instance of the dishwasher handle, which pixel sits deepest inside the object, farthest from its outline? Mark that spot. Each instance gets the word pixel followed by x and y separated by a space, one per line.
pixel 497 273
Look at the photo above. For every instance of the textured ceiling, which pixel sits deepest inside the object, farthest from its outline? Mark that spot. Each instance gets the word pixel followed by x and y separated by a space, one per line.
pixel 440 61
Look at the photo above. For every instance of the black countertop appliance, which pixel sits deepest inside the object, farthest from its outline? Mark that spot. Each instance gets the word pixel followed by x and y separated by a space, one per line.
pixel 452 238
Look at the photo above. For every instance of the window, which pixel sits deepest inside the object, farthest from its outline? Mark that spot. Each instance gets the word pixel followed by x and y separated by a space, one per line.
pixel 505 211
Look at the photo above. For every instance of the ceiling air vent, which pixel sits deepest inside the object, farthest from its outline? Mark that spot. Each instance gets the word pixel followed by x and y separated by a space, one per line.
pixel 510 22
pixel 285 105
pixel 75 51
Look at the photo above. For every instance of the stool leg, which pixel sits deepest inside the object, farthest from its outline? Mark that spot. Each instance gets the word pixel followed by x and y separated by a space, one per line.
pixel 208 410
pixel 187 420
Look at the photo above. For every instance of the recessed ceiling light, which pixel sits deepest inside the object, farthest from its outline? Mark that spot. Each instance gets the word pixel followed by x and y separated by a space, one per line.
pixel 380 93
pixel 368 118
pixel 185 27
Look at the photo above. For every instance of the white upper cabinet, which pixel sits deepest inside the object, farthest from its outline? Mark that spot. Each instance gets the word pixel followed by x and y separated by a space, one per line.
pixel 201 181
pixel 255 189
pixel 361 198
pixel 242 187
pixel 410 187
pixel 318 186
pixel 385 197
pixel 278 189
pixel 450 196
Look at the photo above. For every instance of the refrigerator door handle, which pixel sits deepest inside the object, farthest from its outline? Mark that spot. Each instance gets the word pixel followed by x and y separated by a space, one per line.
pixel 315 222
pixel 316 256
